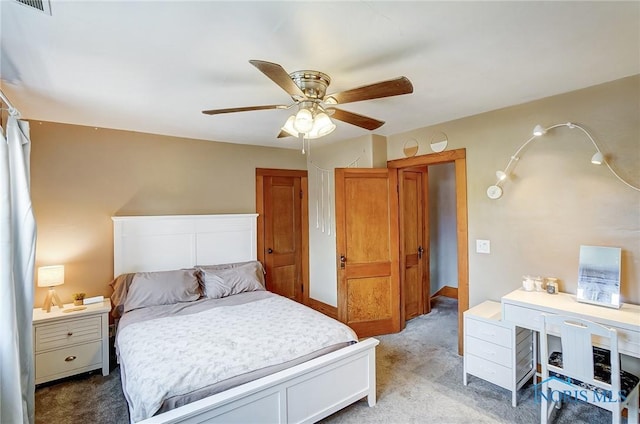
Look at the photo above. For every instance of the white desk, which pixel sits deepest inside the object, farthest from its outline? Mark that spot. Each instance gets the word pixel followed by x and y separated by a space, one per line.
pixel 525 309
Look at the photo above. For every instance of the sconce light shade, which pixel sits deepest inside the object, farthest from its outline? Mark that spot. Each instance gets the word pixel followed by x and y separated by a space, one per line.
pixel 597 158
pixel 538 130
pixel 50 276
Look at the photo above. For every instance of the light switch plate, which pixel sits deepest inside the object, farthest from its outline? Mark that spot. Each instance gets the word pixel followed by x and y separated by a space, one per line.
pixel 483 246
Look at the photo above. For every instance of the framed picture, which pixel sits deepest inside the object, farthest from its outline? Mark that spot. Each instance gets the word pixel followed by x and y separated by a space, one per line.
pixel 599 275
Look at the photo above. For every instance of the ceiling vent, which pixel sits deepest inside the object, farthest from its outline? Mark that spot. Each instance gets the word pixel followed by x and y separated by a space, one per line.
pixel 43 6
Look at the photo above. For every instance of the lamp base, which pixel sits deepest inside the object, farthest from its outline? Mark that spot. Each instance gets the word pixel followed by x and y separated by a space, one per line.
pixel 52 297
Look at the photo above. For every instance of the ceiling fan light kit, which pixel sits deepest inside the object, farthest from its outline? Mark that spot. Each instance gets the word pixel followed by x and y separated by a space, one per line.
pixel 321 125
pixel 308 91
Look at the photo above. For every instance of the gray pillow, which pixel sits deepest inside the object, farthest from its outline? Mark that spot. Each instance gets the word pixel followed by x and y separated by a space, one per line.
pixel 226 281
pixel 162 288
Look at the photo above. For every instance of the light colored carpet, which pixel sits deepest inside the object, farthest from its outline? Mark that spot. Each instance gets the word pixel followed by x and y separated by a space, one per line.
pixel 419 376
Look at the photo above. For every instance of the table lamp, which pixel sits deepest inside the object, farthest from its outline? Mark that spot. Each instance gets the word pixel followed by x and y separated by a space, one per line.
pixel 51 276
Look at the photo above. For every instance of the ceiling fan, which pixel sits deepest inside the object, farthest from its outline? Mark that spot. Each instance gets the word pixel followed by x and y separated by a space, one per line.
pixel 308 90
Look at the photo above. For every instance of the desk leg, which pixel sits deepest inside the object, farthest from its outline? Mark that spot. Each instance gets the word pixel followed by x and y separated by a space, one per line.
pixel 536 375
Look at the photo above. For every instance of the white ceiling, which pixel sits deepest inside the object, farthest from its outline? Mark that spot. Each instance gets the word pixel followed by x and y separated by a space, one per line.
pixel 153 66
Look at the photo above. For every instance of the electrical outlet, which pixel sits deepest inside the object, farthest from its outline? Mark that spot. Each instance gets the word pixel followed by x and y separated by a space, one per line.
pixel 483 246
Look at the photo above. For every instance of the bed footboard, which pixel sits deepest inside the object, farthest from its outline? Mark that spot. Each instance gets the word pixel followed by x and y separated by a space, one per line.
pixel 305 393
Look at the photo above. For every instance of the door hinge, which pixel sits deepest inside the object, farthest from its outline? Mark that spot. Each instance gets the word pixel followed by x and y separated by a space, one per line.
pixel 301 194
pixel 301 288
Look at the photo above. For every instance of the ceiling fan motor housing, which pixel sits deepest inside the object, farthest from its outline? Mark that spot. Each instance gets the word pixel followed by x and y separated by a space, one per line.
pixel 312 83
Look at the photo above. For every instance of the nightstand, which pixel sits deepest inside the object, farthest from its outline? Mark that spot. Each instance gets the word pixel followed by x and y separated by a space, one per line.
pixel 69 343
pixel 497 351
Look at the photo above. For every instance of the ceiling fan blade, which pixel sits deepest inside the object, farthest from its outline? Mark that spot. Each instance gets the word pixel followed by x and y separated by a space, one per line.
pixel 278 75
pixel 355 119
pixel 394 87
pixel 243 109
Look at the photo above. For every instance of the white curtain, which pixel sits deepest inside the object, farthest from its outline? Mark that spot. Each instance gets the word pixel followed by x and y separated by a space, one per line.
pixel 17 255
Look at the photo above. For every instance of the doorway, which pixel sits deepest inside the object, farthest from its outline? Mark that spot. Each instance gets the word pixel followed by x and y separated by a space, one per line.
pixel 458 158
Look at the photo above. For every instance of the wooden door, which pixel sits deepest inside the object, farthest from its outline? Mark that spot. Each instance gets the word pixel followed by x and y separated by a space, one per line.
pixel 368 250
pixel 414 242
pixel 282 249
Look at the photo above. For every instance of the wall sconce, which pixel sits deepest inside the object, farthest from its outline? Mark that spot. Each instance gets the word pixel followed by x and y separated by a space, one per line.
pixel 495 191
pixel 50 276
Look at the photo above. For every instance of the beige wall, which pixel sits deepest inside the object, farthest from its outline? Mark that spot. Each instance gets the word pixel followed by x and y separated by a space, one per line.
pixel 82 176
pixel 556 200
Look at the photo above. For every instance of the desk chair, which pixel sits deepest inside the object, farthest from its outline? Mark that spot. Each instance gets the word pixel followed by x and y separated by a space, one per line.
pixel 583 371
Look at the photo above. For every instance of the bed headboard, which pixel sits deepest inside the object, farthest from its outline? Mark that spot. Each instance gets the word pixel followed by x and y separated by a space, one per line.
pixel 161 243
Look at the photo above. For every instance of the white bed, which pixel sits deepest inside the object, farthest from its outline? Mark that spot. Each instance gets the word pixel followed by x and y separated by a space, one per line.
pixel 306 392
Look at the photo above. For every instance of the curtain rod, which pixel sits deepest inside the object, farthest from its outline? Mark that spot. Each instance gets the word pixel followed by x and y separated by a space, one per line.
pixel 12 110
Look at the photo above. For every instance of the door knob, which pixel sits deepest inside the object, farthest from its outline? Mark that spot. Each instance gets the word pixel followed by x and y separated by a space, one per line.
pixel 420 252
pixel 269 250
pixel 343 259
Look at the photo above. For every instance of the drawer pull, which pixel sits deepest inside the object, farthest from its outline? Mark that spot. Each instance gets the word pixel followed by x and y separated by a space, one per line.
pixel 69 333
pixel 69 358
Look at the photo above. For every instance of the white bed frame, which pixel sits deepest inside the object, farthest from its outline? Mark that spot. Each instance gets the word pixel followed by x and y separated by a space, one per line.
pixel 305 393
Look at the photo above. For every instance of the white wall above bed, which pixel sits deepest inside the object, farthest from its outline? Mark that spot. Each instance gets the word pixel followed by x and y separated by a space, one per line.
pixel 161 243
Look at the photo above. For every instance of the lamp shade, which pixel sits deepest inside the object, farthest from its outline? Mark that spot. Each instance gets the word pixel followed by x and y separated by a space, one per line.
pixel 49 276
pixel 303 121
pixel 322 125
pixel 288 126
pixel 538 130
pixel 597 158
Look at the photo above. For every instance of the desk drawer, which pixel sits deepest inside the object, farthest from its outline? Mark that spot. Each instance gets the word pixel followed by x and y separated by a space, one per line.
pixel 489 371
pixel 628 342
pixel 67 333
pixel 493 333
pixel 523 317
pixel 487 350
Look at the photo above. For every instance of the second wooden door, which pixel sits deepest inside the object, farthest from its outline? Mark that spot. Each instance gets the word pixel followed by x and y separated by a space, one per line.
pixel 414 242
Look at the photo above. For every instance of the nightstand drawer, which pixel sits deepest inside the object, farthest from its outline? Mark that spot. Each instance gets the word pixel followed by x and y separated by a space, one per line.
pixel 490 351
pixel 66 360
pixel 67 333
pixel 490 371
pixel 493 333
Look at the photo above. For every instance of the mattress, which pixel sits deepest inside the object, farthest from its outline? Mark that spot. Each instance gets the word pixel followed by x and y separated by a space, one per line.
pixel 175 354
